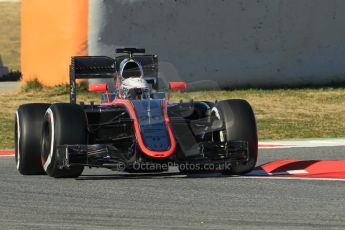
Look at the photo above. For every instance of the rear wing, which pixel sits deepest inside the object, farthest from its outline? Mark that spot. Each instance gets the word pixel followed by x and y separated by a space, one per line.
pixel 86 67
pixel 100 67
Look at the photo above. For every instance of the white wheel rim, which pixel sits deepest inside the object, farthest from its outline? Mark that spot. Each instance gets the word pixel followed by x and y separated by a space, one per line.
pixel 216 113
pixel 18 141
pixel 49 159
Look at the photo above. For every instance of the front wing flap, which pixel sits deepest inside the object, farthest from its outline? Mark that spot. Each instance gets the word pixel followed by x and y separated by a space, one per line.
pixel 107 156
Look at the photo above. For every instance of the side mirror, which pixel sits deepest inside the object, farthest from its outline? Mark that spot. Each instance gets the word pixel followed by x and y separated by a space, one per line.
pixel 100 88
pixel 177 85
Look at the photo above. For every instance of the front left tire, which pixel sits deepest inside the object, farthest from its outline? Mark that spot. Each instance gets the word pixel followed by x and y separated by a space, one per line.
pixel 239 121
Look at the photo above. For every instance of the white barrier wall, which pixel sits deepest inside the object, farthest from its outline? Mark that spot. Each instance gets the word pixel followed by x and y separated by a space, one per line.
pixel 235 43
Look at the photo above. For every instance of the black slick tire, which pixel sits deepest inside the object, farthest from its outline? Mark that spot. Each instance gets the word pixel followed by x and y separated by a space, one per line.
pixel 63 124
pixel 240 124
pixel 27 135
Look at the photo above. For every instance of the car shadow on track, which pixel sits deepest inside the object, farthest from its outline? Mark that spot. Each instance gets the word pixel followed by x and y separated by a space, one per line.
pixel 172 175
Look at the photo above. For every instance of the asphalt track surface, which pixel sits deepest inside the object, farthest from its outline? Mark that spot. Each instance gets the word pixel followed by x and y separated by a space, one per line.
pixel 102 199
pixel 9 86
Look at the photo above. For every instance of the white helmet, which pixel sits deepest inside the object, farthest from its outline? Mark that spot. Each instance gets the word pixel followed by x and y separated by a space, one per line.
pixel 133 85
pixel 134 88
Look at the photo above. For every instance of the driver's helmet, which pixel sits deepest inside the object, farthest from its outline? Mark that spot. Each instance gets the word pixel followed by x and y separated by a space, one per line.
pixel 134 88
pixel 133 85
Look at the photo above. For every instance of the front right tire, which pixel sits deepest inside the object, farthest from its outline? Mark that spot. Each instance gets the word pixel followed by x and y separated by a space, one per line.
pixel 63 124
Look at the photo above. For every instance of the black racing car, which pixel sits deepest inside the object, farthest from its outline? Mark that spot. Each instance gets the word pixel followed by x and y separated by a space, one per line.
pixel 134 128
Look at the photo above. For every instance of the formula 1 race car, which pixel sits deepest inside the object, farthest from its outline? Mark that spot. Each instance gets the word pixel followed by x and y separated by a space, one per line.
pixel 134 128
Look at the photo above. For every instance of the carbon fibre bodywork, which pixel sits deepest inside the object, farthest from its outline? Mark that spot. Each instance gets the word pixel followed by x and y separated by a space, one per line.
pixel 124 131
pixel 134 128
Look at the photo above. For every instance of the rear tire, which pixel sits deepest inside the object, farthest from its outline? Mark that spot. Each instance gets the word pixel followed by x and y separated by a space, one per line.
pixel 239 120
pixel 63 124
pixel 27 134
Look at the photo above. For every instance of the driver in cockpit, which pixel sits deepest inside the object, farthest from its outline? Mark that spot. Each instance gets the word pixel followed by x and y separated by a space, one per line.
pixel 130 81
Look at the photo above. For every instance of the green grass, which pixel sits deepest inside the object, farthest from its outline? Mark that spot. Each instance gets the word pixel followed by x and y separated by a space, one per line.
pixel 10 34
pixel 33 85
pixel 280 113
pixel 289 113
